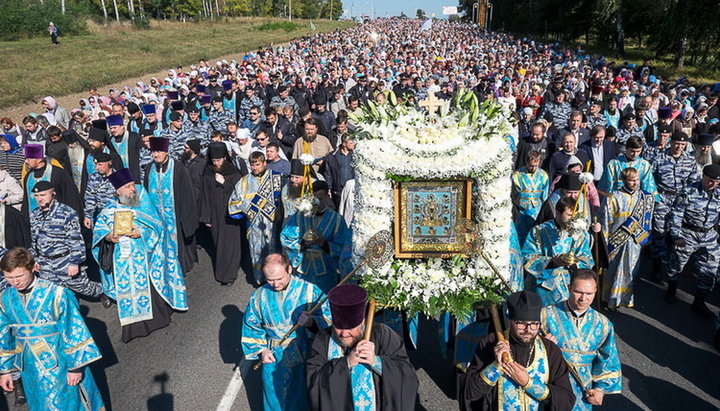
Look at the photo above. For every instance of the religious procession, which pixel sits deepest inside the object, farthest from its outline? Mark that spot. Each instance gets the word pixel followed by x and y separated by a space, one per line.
pixel 361 181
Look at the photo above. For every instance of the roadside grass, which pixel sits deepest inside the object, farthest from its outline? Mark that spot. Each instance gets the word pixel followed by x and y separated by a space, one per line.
pixel 34 68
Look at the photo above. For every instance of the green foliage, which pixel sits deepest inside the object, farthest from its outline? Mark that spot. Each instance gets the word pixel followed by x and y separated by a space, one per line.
pixel 420 14
pixel 278 25
pixel 29 18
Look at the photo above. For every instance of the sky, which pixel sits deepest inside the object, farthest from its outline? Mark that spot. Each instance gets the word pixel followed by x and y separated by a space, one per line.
pixel 395 7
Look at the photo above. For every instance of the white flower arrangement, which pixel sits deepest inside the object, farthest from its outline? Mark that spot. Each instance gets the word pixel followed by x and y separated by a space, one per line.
pixel 586 178
pixel 409 143
pixel 577 227
pixel 306 205
pixel 307 159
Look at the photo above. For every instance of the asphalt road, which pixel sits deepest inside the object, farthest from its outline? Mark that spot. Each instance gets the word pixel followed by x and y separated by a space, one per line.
pixel 668 363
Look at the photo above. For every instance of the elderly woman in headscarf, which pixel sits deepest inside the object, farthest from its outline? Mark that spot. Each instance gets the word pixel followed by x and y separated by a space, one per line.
pixel 78 122
pixel 11 156
pixel 62 118
pixel 685 122
pixel 95 107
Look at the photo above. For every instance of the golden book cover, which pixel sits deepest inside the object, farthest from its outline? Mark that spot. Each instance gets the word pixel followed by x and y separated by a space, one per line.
pixel 123 222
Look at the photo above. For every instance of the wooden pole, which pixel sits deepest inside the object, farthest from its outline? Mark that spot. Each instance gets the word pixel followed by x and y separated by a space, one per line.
pixel 506 358
pixel 369 320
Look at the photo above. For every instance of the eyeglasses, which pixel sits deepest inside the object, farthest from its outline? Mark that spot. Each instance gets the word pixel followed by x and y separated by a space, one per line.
pixel 261 139
pixel 253 114
pixel 533 325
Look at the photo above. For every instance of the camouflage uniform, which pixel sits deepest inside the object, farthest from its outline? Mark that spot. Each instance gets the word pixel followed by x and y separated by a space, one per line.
pixel 693 218
pixel 197 130
pixel 247 104
pixel 177 140
pixel 560 111
pixel 672 176
pixel 57 244
pixel 289 101
pixel 622 135
pixel 98 192
pixel 219 120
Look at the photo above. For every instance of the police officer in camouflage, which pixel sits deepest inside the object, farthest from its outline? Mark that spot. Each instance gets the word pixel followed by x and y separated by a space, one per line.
pixel 57 244
pixel 99 189
pixel 673 169
pixel 195 127
pixel 692 223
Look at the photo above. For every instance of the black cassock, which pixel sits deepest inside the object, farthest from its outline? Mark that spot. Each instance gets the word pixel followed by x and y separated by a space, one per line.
pixel 475 394
pixel 226 232
pixel 16 228
pixel 329 381
pixel 66 191
pixel 186 215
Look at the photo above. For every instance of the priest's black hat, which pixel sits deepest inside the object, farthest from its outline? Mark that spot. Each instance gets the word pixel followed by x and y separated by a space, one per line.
pixel 712 171
pixel 524 306
pixel 176 105
pixel 570 181
pixel 297 168
pixel 217 150
pixel 159 144
pixel 347 306
pixel 704 139
pixel 121 177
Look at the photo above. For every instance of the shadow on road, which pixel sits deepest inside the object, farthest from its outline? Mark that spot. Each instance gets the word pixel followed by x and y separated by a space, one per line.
pixel 230 335
pixel 163 401
pixel 429 358
pixel 98 330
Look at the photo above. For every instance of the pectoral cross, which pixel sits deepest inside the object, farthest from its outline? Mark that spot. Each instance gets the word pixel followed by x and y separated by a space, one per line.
pixel 432 103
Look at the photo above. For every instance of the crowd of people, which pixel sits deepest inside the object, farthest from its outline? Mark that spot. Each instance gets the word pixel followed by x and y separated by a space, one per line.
pixel 113 198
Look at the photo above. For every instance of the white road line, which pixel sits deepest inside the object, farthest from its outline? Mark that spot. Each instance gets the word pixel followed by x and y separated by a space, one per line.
pixel 233 388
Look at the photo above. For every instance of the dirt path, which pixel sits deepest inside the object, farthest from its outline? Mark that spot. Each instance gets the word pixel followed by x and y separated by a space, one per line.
pixel 71 101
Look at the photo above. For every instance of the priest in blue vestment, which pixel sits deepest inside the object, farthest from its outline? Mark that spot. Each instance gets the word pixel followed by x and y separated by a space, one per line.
pixel 134 269
pixel 273 310
pixel 587 341
pixel 44 337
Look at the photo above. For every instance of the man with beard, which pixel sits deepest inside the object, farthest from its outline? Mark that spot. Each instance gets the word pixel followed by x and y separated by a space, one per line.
pixel 272 310
pixel 41 169
pixel 536 377
pixel 550 252
pixel 587 341
pixel 256 197
pixel 703 150
pixel 97 143
pixel 312 145
pixel 165 181
pixel 319 244
pixel 346 371
pixel 134 268
pixel 536 141
pixel 99 190
pixel 57 243
pixel 126 144
pixel 217 184
pixel 292 190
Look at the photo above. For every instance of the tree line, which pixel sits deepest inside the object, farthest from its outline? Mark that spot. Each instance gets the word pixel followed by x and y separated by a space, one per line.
pixel 682 29
pixel 28 18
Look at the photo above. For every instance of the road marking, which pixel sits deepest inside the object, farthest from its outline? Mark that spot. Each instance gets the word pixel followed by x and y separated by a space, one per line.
pixel 233 388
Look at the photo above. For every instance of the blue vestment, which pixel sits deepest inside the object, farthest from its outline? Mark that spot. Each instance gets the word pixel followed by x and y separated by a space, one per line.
pixel 269 315
pixel 43 335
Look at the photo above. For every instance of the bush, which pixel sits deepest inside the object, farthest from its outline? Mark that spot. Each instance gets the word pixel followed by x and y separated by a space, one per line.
pixel 278 25
pixel 28 18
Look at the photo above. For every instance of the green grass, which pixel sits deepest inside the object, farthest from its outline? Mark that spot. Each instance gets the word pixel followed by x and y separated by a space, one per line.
pixel 34 68
pixel 277 25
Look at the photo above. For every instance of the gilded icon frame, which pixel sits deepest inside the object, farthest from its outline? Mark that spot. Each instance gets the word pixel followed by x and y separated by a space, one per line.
pixel 416 229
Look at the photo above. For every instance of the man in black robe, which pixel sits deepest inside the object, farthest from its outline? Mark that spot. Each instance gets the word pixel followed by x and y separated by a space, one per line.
pixel 126 144
pixel 330 383
pixel 184 206
pixel 39 168
pixel 56 147
pixel 217 184
pixel 15 231
pixel 522 376
pixel 97 142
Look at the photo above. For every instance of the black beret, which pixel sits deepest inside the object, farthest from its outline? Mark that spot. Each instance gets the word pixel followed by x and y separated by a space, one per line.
pixel 665 128
pixel 193 109
pixel 102 157
pixel 41 186
pixel 175 116
pixel 712 171
pixel 679 136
